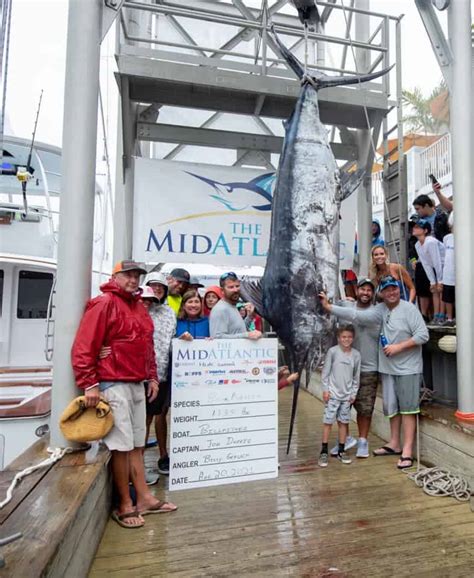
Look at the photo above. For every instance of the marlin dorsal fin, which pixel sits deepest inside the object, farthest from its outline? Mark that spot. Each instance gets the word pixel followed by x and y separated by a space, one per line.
pixel 350 182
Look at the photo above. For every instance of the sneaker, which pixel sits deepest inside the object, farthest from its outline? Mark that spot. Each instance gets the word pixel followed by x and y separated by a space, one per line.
pixel 362 448
pixel 151 477
pixel 344 458
pixel 323 460
pixel 164 466
pixel 350 443
pixel 449 323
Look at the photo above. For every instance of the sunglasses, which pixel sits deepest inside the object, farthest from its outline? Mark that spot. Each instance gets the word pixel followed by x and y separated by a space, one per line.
pixel 229 275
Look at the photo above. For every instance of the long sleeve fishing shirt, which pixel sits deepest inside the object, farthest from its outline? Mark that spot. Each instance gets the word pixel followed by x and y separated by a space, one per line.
pixel 225 322
pixel 431 255
pixel 398 324
pixel 341 373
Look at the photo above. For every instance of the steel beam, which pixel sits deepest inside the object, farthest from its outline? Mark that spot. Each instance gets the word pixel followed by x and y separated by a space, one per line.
pixel 438 41
pixel 76 221
pixel 364 193
pixel 225 139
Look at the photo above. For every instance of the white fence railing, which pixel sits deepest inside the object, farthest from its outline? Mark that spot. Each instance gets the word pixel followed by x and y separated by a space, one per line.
pixel 377 189
pixel 436 160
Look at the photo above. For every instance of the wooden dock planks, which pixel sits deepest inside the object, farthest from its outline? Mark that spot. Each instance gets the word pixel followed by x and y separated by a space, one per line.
pixel 361 520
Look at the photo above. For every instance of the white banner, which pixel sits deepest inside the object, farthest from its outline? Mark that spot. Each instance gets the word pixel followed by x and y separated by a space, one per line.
pixel 224 412
pixel 218 215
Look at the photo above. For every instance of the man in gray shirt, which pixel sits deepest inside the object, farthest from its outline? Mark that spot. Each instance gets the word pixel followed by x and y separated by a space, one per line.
pixel 366 342
pixel 225 321
pixel 403 332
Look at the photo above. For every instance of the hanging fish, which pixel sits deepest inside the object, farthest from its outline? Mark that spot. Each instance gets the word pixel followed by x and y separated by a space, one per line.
pixel 303 253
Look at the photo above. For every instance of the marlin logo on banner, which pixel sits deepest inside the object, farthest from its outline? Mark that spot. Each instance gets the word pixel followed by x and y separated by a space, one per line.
pixel 261 186
pixel 202 213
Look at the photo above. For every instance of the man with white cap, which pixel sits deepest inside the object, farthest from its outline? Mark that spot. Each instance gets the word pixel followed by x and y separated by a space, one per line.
pixel 164 321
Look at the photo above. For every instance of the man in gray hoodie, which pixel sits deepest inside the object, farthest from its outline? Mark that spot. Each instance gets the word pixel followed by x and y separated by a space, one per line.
pixel 402 333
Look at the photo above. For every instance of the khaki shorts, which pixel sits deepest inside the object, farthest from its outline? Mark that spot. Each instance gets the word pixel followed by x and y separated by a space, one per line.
pixel 365 400
pixel 127 401
pixel 401 394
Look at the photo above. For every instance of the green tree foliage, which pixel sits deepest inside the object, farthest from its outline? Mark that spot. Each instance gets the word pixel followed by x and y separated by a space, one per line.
pixel 419 117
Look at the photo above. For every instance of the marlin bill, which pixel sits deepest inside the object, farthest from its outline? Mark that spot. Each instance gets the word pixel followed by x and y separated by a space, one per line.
pixel 304 239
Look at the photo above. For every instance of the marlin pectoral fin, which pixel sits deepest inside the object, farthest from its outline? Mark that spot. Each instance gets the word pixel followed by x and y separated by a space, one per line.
pixel 252 291
pixel 350 182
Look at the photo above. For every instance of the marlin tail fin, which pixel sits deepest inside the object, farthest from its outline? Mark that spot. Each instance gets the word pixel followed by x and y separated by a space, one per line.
pixel 321 80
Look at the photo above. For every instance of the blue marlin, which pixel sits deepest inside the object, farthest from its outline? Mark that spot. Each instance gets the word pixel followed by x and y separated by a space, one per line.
pixel 260 186
pixel 303 252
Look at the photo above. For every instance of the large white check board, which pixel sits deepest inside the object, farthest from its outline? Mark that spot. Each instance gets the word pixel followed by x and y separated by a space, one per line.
pixel 224 407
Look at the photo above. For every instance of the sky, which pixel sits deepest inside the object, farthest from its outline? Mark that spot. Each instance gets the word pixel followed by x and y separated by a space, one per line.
pixel 38 52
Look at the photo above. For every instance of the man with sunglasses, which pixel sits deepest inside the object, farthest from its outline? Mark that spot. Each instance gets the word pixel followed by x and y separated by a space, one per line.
pixel 225 320
pixel 402 333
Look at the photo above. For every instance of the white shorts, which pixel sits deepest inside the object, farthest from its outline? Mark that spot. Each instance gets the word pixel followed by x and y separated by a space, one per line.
pixel 127 401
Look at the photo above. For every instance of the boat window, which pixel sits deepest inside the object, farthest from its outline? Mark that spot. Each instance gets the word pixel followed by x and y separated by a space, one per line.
pixel 1 291
pixel 34 288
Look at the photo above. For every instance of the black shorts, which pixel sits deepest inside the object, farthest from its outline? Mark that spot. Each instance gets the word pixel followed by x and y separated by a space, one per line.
pixel 162 401
pixel 422 283
pixel 448 293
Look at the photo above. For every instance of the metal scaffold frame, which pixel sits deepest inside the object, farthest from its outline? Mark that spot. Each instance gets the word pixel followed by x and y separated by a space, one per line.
pixel 244 75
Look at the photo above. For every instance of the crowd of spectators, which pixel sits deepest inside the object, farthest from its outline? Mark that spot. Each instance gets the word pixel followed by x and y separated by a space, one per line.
pixel 429 281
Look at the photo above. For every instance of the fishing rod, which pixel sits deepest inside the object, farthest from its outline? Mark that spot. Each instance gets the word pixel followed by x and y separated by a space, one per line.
pixel 23 174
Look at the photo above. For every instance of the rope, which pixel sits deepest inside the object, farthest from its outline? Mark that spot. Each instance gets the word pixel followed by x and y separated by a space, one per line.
pixel 441 482
pixel 367 120
pixel 306 53
pixel 56 455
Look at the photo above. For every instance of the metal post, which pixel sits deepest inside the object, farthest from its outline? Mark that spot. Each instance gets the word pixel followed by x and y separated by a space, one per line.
pixel 402 188
pixel 124 195
pixel 364 194
pixel 139 25
pixel 459 16
pixel 76 220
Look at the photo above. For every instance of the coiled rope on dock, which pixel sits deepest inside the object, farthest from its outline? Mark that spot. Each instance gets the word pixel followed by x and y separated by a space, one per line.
pixel 56 455
pixel 441 482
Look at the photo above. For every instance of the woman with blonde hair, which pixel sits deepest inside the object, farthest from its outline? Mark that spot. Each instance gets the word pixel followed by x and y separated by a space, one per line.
pixel 380 267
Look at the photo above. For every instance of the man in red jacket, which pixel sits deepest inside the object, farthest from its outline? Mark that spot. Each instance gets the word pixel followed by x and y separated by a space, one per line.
pixel 118 320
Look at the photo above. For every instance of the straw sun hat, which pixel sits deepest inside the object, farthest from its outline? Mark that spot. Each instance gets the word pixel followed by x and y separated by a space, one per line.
pixel 81 424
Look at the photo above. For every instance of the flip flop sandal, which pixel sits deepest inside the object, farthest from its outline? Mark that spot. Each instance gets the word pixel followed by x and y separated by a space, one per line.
pixel 403 459
pixel 120 519
pixel 159 508
pixel 386 452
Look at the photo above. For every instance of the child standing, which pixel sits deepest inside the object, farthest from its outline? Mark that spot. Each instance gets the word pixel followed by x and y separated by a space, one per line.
pixel 431 254
pixel 340 378
pixel 449 276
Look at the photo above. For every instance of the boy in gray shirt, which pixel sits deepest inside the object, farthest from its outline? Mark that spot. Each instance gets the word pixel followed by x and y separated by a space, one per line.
pixel 340 378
